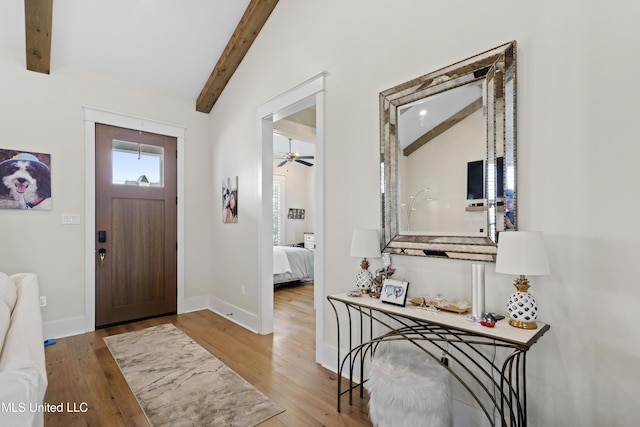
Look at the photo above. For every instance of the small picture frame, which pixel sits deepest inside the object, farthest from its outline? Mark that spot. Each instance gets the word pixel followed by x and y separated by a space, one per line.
pixel 296 214
pixel 394 292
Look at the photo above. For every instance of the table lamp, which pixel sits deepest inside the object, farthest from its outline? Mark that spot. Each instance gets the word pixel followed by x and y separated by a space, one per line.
pixel 365 244
pixel 522 253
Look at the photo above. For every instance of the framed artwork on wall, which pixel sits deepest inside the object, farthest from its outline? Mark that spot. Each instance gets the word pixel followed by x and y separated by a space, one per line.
pixel 230 200
pixel 296 214
pixel 25 180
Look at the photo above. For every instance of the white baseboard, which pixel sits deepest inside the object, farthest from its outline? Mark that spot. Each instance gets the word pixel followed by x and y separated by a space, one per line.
pixel 237 315
pixel 187 305
pixel 64 328
pixel 330 361
pixel 77 325
pixel 328 357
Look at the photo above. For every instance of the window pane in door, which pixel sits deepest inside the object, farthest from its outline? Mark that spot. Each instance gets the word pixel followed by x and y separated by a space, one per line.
pixel 137 164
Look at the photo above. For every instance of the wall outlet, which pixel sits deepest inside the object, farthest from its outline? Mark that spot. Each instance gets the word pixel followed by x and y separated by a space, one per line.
pixel 243 290
pixel 43 301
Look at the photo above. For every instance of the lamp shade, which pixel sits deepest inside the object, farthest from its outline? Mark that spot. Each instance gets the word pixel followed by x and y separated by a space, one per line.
pixel 522 253
pixel 365 244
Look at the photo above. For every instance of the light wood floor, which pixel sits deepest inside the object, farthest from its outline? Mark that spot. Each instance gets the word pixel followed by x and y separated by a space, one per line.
pixel 281 365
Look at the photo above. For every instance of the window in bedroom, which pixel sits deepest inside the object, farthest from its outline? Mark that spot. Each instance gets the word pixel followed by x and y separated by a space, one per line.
pixel 278 210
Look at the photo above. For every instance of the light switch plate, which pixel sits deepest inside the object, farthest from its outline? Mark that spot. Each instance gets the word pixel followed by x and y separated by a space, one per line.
pixel 71 219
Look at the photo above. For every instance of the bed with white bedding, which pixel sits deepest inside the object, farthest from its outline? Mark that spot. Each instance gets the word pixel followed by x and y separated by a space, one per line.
pixel 292 264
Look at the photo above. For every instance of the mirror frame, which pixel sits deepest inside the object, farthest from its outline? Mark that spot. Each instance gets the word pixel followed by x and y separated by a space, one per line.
pixel 498 67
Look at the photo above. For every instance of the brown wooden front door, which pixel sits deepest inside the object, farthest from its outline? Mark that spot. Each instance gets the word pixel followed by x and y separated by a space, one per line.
pixel 136 225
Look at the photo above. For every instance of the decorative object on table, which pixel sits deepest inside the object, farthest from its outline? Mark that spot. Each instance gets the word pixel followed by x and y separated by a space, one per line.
pixel 440 303
pixel 394 292
pixel 477 290
pixel 25 180
pixel 381 275
pixel 365 244
pixel 376 287
pixel 489 322
pixel 386 260
pixel 522 253
pixel 354 294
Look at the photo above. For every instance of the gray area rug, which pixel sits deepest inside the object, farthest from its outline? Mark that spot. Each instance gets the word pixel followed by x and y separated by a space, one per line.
pixel 179 383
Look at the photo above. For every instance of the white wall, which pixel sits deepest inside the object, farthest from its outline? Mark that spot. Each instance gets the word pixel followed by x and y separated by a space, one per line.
pixel 577 154
pixel 44 113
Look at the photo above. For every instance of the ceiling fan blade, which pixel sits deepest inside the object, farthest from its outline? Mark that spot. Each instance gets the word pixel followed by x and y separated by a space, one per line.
pixel 303 162
pixel 305 157
pixel 282 163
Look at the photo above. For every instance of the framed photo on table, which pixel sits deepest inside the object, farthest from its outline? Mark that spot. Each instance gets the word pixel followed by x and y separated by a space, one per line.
pixel 394 292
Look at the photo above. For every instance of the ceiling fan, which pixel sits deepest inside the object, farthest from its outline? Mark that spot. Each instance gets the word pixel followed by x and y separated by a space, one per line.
pixel 294 157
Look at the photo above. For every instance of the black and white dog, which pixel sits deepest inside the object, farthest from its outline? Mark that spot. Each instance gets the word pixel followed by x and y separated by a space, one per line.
pixel 226 197
pixel 27 181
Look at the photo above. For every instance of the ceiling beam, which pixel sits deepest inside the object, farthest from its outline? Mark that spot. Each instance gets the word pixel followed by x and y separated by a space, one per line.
pixel 444 126
pixel 38 16
pixel 245 33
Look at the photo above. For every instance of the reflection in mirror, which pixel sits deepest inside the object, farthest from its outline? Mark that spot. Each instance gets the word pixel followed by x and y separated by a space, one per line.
pixel 448 159
pixel 433 192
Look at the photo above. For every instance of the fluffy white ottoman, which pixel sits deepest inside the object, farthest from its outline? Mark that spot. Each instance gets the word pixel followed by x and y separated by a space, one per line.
pixel 408 389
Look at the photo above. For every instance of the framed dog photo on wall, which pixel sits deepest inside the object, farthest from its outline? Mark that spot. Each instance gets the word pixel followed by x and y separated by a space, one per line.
pixel 394 292
pixel 25 180
pixel 230 199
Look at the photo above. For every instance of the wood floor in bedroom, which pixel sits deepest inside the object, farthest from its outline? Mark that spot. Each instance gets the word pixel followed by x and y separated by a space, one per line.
pixel 281 365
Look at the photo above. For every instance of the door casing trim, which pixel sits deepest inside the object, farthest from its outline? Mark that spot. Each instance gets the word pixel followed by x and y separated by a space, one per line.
pixel 91 117
pixel 309 92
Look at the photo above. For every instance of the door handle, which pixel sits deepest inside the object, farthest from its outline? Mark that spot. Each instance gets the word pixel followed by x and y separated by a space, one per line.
pixel 101 253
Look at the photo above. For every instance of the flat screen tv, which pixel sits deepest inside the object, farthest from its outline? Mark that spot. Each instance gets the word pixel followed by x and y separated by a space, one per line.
pixel 475 180
pixel 500 178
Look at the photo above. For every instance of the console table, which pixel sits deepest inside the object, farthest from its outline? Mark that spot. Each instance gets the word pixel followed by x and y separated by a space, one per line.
pixel 490 363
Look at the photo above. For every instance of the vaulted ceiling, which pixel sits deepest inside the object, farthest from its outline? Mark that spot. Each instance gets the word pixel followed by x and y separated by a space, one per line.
pixel 188 48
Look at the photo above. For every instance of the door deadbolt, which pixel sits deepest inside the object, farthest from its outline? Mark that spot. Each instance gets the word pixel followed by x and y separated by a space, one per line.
pixel 102 252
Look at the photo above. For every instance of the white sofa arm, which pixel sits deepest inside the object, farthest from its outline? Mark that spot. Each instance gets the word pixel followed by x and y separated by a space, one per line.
pixel 23 373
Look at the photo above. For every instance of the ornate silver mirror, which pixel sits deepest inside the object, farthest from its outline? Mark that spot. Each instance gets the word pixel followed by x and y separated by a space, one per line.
pixel 448 159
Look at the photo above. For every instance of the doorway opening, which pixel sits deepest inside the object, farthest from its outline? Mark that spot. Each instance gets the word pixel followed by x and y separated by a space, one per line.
pixel 293 198
pixel 307 95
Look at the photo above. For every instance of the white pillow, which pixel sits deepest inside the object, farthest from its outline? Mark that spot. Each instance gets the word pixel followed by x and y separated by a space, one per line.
pixel 5 322
pixel 8 291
